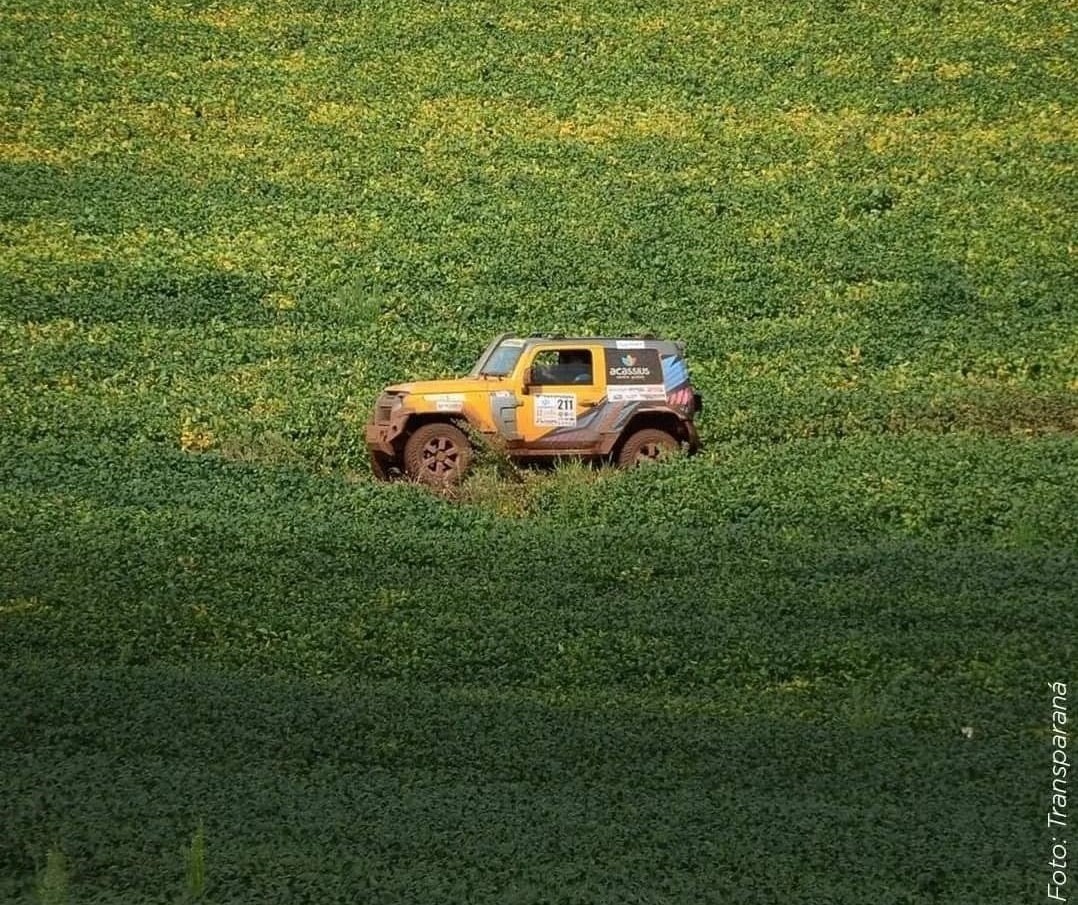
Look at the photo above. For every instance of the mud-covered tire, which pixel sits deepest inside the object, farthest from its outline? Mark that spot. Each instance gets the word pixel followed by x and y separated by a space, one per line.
pixel 648 445
pixel 437 454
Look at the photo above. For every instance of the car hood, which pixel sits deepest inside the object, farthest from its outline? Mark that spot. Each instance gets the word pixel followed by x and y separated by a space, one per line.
pixel 461 385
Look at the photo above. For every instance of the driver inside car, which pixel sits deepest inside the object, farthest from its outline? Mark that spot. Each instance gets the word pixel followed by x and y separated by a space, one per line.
pixel 575 366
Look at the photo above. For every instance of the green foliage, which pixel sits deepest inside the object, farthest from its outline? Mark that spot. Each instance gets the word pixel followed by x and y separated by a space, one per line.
pixel 52 885
pixel 413 697
pixel 741 677
pixel 196 864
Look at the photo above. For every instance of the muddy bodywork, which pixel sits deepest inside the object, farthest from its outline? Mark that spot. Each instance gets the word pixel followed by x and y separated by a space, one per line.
pixel 533 410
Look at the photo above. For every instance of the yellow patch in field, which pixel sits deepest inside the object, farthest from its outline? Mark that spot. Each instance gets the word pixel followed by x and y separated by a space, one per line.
pixel 332 113
pixel 343 230
pixel 260 249
pixel 262 407
pixel 233 151
pixel 302 168
pixel 949 72
pixel 653 25
pixel 768 232
pixel 543 20
pixel 136 244
pixel 860 292
pixel 931 134
pixel 843 65
pixel 577 129
pixel 1060 69
pixel 53 241
pixel 164 128
pixel 1001 70
pixel 51 16
pixel 796 684
pixel 521 122
pixel 661 122
pixel 780 172
pixel 21 605
pixel 280 301
pixel 22 152
pixel 195 438
pixel 225 262
pixel 907 68
pixel 1047 38
pixel 294 62
pixel 228 17
pixel 51 331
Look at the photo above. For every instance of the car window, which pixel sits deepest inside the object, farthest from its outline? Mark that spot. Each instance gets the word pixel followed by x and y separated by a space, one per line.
pixel 503 359
pixel 562 366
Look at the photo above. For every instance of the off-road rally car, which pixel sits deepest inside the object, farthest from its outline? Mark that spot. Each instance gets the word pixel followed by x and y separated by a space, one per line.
pixel 625 400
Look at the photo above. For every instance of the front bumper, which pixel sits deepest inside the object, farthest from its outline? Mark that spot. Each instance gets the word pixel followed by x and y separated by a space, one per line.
pixel 383 437
pixel 386 425
pixel 385 464
pixel 384 454
pixel 380 438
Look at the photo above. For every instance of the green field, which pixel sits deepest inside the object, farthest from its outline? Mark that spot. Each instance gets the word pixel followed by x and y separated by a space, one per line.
pixel 809 665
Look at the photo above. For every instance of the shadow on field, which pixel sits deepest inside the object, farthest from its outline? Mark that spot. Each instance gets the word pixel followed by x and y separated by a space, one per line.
pixel 110 196
pixel 392 793
pixel 89 213
pixel 102 293
pixel 365 692
pixel 678 582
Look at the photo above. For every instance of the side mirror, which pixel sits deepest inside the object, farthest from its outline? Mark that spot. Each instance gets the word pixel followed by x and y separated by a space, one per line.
pixel 526 381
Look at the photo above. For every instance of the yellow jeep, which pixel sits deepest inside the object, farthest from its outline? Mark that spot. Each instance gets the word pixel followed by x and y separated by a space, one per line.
pixel 624 400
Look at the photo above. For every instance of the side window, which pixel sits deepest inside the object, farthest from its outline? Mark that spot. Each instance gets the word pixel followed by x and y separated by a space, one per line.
pixel 562 366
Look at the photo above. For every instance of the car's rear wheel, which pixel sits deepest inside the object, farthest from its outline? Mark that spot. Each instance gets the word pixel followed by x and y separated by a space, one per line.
pixel 648 445
pixel 437 454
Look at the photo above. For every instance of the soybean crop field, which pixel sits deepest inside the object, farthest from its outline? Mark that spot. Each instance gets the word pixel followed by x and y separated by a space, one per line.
pixel 810 664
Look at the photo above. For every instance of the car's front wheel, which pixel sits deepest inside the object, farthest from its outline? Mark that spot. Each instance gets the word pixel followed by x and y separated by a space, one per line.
pixel 437 454
pixel 648 445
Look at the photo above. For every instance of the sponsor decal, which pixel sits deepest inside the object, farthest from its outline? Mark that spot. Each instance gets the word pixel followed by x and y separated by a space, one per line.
pixel 682 397
pixel 555 410
pixel 676 381
pixel 654 392
pixel 446 402
pixel 630 344
pixel 639 368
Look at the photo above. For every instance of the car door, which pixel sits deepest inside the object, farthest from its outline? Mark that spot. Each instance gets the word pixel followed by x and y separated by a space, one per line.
pixel 567 382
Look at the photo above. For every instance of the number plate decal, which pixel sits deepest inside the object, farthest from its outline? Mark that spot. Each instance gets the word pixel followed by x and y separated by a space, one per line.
pixel 555 410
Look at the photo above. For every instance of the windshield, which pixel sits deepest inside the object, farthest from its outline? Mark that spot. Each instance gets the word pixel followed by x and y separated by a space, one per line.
pixel 503 359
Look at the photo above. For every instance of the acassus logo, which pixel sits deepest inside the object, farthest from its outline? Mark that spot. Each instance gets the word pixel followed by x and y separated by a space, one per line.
pixel 635 367
pixel 630 372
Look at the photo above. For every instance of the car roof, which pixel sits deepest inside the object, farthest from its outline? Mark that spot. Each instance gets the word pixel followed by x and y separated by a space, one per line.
pixel 628 341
